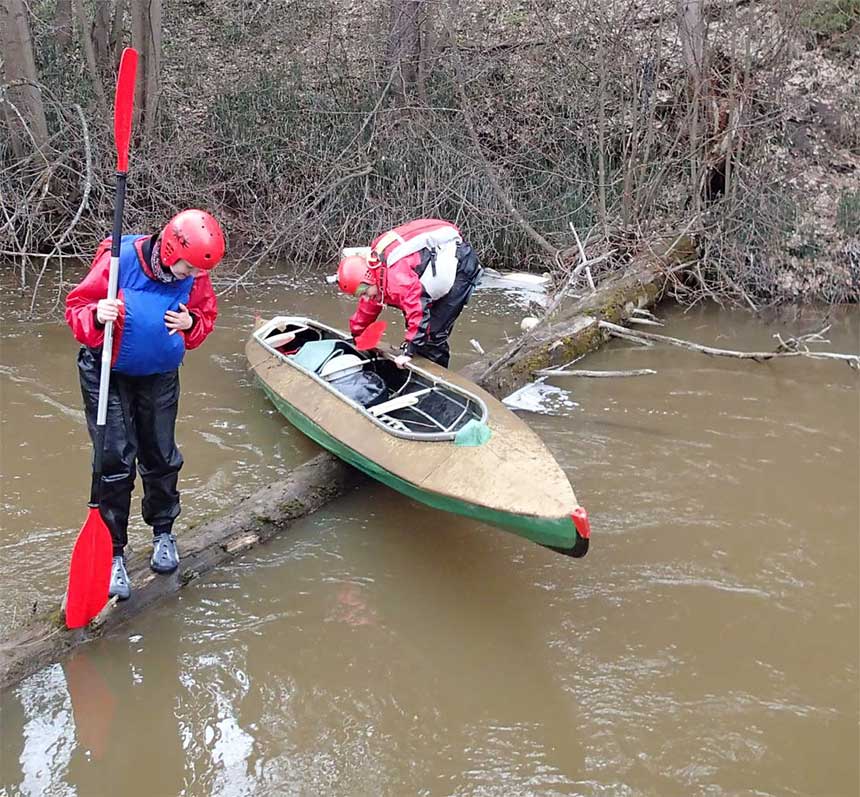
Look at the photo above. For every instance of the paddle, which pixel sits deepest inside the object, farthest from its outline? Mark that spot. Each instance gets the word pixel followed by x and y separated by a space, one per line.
pixel 89 569
pixel 369 339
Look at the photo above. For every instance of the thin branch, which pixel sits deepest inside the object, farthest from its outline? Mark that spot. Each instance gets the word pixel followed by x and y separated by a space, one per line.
pixel 622 332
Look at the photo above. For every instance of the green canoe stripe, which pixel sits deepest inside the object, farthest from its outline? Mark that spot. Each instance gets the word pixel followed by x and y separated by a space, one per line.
pixel 558 532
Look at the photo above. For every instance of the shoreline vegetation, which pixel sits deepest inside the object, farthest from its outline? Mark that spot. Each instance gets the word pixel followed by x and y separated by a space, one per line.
pixel 552 135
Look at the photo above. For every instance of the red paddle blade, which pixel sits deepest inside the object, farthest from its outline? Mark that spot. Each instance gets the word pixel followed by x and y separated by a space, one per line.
pixel 369 339
pixel 123 104
pixel 89 571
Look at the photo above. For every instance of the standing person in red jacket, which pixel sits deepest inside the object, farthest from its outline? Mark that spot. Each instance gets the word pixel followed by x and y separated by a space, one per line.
pixel 165 304
pixel 423 268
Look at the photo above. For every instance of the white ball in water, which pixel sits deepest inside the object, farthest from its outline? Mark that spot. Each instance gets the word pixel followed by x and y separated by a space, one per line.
pixel 529 322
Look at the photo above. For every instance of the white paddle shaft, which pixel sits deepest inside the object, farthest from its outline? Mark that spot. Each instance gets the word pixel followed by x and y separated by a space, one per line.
pixel 107 348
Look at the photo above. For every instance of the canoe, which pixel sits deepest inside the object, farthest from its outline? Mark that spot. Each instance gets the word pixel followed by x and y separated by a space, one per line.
pixel 423 430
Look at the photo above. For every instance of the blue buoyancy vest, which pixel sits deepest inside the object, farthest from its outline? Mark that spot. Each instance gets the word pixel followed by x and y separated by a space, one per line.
pixel 146 346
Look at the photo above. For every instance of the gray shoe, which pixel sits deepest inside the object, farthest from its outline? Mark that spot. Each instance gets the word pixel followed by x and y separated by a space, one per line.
pixel 165 557
pixel 119 586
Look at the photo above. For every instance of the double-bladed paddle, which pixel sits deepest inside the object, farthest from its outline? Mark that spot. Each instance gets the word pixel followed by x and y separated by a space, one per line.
pixel 90 566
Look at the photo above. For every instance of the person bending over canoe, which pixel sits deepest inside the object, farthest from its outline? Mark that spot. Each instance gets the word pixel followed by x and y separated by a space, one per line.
pixel 423 268
pixel 165 304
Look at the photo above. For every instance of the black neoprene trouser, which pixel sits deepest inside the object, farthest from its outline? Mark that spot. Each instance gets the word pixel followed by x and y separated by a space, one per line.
pixel 445 310
pixel 139 436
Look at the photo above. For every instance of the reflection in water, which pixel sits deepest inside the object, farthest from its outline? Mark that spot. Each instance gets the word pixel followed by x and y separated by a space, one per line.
pixel 48 733
pixel 125 707
pixel 708 645
pixel 93 704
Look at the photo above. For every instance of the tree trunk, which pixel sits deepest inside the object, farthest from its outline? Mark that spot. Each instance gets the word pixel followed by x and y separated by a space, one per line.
pixel 89 54
pixel 63 24
pixel 404 45
pixel 116 32
pixel 146 39
pixel 101 36
pixel 16 47
pixel 426 50
pixel 691 28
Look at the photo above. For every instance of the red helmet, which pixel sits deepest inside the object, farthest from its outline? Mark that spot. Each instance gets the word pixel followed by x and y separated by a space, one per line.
pixel 352 272
pixel 194 236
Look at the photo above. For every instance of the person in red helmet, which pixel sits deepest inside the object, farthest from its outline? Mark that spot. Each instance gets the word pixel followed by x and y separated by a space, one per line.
pixel 425 269
pixel 165 305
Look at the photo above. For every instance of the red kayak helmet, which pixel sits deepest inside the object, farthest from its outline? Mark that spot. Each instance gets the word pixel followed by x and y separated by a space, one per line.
pixel 194 236
pixel 352 272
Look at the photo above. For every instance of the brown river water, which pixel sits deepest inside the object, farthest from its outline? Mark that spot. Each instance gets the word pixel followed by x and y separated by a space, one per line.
pixel 707 645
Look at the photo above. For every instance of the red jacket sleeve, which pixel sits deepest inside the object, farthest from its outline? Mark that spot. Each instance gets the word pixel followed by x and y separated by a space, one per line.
pixel 82 300
pixel 367 312
pixel 203 306
pixel 407 294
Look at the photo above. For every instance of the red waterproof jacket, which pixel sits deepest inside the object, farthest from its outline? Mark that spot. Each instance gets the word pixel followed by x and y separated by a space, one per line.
pixel 82 300
pixel 399 251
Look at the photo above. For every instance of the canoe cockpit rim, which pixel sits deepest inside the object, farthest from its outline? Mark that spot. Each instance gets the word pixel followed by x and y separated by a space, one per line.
pixel 390 425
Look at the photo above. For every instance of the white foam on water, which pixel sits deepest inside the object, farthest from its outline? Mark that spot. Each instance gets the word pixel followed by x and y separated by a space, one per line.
pixel 541 398
pixel 523 288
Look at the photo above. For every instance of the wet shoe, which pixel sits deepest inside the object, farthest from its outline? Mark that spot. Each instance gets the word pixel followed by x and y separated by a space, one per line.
pixel 165 557
pixel 119 585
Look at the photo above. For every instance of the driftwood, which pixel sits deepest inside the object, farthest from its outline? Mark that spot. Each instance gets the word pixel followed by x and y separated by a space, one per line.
pixel 572 331
pixel 795 347
pixel 594 374
pixel 255 519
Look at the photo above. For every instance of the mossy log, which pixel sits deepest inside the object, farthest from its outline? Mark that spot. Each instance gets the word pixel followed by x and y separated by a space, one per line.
pixel 572 331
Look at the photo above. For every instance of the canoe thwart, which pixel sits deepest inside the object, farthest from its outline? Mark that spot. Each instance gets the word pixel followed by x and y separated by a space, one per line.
pixel 398 402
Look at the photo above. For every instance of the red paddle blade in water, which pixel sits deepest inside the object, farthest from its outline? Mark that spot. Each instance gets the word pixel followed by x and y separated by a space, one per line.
pixel 369 339
pixel 89 571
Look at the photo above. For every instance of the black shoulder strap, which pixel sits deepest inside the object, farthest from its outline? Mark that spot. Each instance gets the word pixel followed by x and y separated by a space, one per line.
pixel 428 258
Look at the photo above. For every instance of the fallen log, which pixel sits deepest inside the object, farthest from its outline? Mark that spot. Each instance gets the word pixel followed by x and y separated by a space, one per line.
pixel 573 328
pixel 255 519
pixel 572 331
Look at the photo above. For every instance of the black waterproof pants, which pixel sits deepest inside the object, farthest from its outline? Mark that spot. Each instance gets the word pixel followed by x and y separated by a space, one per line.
pixel 139 435
pixel 445 310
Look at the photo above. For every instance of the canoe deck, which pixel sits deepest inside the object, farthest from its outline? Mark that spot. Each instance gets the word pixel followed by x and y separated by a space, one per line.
pixel 511 479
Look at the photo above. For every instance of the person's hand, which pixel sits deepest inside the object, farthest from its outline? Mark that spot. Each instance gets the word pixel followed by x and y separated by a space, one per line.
pixel 176 320
pixel 107 310
pixel 402 360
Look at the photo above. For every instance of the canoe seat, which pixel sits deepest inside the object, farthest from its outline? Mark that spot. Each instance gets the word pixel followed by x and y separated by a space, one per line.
pixel 398 402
